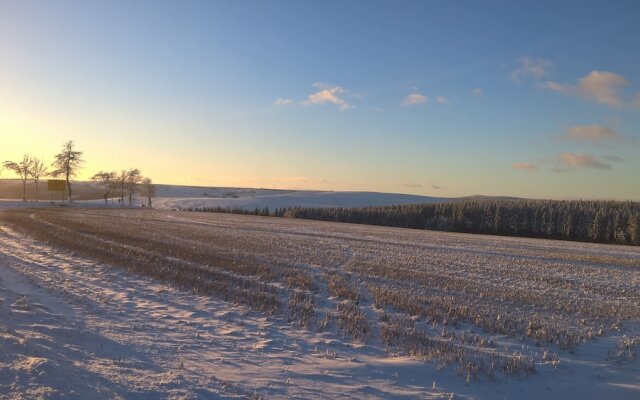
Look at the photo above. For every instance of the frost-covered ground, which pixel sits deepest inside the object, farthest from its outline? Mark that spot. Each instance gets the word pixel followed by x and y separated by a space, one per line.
pixel 72 326
pixel 12 204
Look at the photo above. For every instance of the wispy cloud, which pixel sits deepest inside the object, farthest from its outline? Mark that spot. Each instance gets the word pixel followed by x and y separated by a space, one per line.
pixel 442 100
pixel 614 158
pixel 477 92
pixel 413 99
pixel 530 67
pixel 299 179
pixel 416 185
pixel 282 102
pixel 525 166
pixel 569 161
pixel 328 94
pixel 595 134
pixel 300 182
pixel 556 87
pixel 599 86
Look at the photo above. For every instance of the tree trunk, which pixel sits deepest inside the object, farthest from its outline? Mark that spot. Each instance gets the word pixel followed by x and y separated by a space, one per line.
pixel 149 201
pixel 106 203
pixel 37 196
pixel 24 190
pixel 69 188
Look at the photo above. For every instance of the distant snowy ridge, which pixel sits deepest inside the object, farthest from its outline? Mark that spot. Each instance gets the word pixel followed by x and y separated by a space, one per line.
pixel 180 197
pixel 250 199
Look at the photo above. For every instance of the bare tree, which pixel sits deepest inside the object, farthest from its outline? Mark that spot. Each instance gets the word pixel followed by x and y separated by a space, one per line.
pixel 23 170
pixel 67 163
pixel 121 181
pixel 133 179
pixel 38 170
pixel 148 189
pixel 107 180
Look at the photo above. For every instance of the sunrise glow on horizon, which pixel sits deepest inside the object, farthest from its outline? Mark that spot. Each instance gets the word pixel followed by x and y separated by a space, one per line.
pixel 440 99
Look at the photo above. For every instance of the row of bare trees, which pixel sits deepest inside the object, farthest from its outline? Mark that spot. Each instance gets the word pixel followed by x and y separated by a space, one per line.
pixel 67 163
pixel 24 170
pixel 125 183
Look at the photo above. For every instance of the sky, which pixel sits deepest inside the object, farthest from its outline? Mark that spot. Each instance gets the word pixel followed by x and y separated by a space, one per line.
pixel 453 98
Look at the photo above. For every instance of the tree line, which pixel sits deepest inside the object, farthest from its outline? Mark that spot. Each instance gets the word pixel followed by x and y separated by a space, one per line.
pixel 125 183
pixel 612 222
pixel 67 163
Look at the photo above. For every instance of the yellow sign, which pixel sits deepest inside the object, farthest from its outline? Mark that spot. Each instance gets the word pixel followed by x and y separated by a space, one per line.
pixel 56 185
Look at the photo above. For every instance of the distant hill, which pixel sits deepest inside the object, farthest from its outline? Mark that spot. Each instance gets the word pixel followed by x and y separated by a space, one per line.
pixel 181 197
pixel 250 199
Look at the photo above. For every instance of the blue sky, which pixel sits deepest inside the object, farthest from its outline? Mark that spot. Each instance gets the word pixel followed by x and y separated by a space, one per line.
pixel 438 98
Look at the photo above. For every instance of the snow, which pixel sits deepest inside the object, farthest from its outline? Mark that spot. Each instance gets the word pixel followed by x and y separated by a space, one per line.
pixel 101 333
pixel 13 204
pixel 250 199
pixel 9 204
pixel 74 328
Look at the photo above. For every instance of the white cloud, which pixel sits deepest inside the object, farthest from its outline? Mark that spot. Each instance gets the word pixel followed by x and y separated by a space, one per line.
pixel 413 185
pixel 282 102
pixel 525 166
pixel 595 134
pixel 530 67
pixel 442 100
pixel 603 87
pixel 565 161
pixel 413 99
pixel 599 86
pixel 328 94
pixel 477 92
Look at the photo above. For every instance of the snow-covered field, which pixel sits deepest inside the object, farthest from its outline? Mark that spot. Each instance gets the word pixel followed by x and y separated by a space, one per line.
pixel 183 197
pixel 160 304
